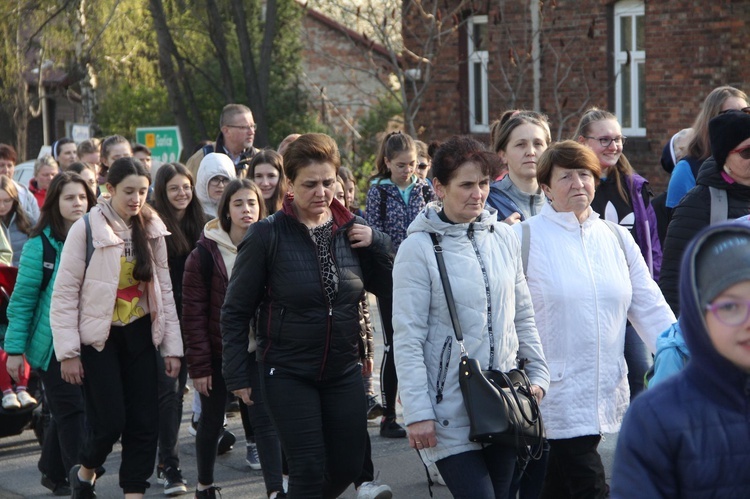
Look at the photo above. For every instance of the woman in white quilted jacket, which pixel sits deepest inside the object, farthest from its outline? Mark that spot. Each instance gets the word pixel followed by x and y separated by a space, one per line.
pixel 586 277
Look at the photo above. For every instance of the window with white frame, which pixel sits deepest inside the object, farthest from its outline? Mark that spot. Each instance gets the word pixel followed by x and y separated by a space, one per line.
pixel 479 120
pixel 630 67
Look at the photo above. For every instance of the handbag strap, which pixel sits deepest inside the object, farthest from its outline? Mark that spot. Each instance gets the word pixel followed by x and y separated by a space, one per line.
pixel 447 288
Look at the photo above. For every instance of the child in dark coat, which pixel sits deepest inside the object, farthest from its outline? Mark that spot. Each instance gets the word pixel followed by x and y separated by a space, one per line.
pixel 689 436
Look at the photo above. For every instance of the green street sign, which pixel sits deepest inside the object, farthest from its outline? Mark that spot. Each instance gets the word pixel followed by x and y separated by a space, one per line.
pixel 164 141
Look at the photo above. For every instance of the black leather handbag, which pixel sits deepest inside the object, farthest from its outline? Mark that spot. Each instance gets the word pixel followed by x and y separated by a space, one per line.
pixel 500 405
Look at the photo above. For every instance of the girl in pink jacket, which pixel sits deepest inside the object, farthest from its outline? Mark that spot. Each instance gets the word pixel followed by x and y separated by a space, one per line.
pixel 112 308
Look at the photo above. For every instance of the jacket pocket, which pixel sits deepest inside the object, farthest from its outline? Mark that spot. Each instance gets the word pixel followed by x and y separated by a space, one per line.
pixel 445 360
pixel 556 370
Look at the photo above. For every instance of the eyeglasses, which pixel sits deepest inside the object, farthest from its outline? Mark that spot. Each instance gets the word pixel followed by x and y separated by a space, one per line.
pixel 606 141
pixel 744 152
pixel 423 166
pixel 217 181
pixel 174 189
pixel 729 312
pixel 245 128
pixel 745 110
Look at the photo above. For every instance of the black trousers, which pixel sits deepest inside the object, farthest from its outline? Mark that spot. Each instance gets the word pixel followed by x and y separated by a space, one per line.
pixel 388 377
pixel 120 387
pixel 575 469
pixel 171 396
pixel 322 426
pixel 210 425
pixel 62 437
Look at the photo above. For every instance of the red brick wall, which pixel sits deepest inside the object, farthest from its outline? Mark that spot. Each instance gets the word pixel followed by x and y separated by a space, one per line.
pixel 691 48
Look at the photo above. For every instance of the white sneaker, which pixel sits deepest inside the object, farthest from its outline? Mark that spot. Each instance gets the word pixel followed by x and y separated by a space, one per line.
pixel 374 490
pixel 25 399
pixel 10 402
pixel 435 474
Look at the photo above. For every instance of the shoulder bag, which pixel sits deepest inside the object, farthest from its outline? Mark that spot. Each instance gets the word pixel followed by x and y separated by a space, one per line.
pixel 500 405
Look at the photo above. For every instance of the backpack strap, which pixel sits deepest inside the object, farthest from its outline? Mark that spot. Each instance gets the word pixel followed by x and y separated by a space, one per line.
pixel 613 227
pixel 49 257
pixel 525 245
pixel 719 205
pixel 89 239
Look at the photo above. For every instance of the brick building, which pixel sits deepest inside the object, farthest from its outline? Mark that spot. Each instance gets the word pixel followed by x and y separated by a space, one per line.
pixel 343 72
pixel 651 63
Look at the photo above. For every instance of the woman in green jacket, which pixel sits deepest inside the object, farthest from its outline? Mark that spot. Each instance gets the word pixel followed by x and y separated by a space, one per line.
pixel 29 334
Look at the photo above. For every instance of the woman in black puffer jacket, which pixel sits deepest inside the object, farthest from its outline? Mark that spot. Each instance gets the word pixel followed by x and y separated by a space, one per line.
pixel 727 173
pixel 305 270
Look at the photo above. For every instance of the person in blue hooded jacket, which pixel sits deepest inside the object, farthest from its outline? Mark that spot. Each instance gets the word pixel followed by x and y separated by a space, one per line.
pixel 689 436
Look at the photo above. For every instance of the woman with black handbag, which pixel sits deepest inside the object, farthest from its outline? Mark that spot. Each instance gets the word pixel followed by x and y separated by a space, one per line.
pixel 494 320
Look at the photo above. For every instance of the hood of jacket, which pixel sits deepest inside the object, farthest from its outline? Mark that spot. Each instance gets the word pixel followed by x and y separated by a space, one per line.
pixel 212 165
pixel 428 220
pixel 111 232
pixel 710 371
pixel 214 232
pixel 710 175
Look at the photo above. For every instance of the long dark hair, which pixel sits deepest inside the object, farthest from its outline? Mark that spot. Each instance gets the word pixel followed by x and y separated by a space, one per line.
pixel 50 213
pixel 22 219
pixel 186 231
pixel 118 171
pixel 271 157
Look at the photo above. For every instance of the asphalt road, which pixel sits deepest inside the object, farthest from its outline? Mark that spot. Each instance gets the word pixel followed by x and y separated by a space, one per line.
pixel 397 464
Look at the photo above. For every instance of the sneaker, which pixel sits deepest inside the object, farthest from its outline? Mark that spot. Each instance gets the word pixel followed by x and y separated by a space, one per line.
pixel 174 484
pixel 374 490
pixel 277 495
pixel 209 493
pixel 78 488
pixel 160 472
pixel 58 488
pixel 226 442
pixel 252 458
pixel 389 428
pixel 374 409
pixel 25 399
pixel 435 474
pixel 193 428
pixel 10 402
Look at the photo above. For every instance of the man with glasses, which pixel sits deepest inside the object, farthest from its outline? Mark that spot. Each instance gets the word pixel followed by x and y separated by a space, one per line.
pixel 235 139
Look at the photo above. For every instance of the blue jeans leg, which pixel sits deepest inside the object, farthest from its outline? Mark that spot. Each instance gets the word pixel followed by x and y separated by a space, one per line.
pixel 479 474
pixel 638 359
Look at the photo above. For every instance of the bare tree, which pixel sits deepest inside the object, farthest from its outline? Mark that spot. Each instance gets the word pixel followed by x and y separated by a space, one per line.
pixel 404 73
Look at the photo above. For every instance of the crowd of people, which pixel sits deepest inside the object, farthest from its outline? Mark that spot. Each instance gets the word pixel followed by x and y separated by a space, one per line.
pixel 247 271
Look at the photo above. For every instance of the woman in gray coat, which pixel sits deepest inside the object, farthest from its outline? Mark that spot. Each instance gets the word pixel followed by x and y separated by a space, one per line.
pixel 483 261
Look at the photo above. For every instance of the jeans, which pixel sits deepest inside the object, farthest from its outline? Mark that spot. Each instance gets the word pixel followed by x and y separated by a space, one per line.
pixel 529 476
pixel 62 437
pixel 638 359
pixel 321 425
pixel 170 413
pixel 479 474
pixel 575 469
pixel 120 389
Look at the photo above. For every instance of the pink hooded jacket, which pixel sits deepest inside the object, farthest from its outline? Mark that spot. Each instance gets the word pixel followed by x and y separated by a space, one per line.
pixel 84 298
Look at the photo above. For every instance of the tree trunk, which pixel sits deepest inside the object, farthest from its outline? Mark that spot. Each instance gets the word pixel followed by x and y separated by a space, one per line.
pixel 253 90
pixel 216 33
pixel 166 68
pixel 84 67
